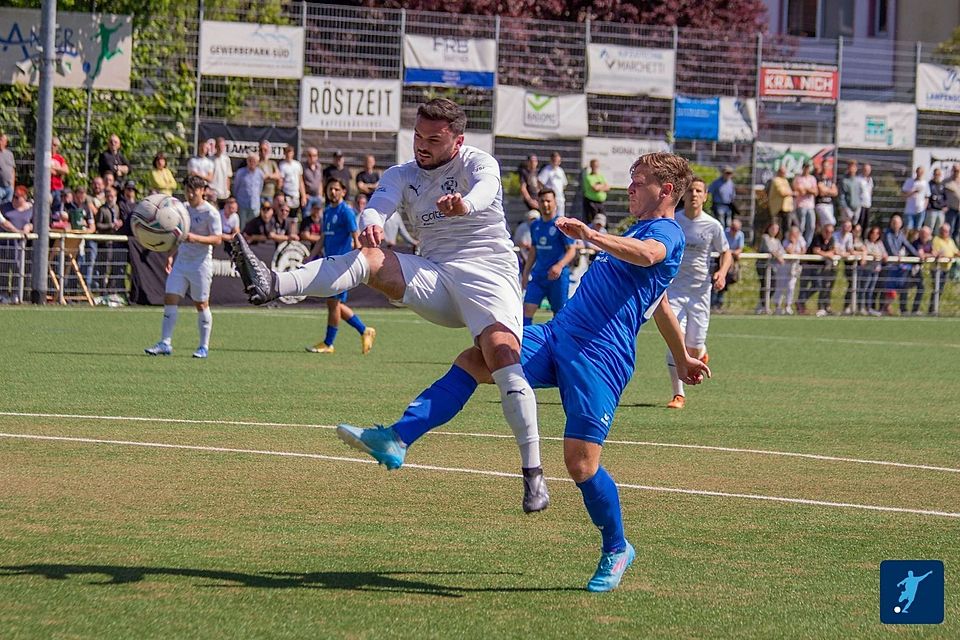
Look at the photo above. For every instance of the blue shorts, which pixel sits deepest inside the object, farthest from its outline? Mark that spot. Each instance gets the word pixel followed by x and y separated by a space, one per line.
pixel 589 397
pixel 556 291
pixel 342 296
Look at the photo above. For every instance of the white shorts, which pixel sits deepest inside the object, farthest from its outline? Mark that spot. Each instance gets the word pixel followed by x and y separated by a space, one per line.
pixel 471 292
pixel 195 277
pixel 692 309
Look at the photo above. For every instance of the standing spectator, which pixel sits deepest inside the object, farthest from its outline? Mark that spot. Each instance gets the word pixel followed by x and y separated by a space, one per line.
pixel 937 203
pixel 313 180
pixel 293 188
pixel 369 178
pixel 595 189
pixel 16 216
pixel 108 222
pixel 248 189
pixel 201 165
pixel 805 186
pixel 58 169
pixel 871 266
pixel 844 248
pixel 916 192
pixel 553 178
pixel 736 240
pixel 127 204
pixel 97 195
pixel 826 192
pixel 337 169
pixel 952 189
pixel 222 172
pixel 529 182
pixel 161 178
pixel 866 194
pixel 8 170
pixel 112 159
pixel 769 243
pixel 522 238
pixel 788 271
pixel 825 272
pixel 943 247
pixel 913 279
pixel 780 199
pixel 271 171
pixel 723 192
pixel 850 194
pixel 229 219
pixel 895 274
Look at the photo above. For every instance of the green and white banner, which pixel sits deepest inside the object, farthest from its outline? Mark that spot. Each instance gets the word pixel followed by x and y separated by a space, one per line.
pixel 524 113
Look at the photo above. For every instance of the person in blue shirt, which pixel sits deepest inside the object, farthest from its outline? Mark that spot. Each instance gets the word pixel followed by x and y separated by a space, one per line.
pixel 340 235
pixel 588 351
pixel 723 192
pixel 546 273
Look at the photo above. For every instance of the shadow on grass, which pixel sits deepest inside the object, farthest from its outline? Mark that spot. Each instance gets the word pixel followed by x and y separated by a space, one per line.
pixel 414 582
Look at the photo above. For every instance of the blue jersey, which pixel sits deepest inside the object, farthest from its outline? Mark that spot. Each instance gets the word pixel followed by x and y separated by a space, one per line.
pixel 339 225
pixel 615 298
pixel 550 244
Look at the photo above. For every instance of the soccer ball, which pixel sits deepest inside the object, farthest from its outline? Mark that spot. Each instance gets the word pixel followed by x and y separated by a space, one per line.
pixel 159 222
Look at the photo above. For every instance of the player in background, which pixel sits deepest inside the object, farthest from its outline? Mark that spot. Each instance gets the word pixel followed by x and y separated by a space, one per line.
pixel 466 275
pixel 690 291
pixel 340 236
pixel 546 272
pixel 190 268
pixel 588 349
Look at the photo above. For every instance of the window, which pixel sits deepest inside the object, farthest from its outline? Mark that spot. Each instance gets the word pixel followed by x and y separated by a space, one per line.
pixel 881 25
pixel 802 18
pixel 837 19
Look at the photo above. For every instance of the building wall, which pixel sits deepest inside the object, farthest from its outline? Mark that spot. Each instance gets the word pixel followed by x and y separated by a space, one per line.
pixel 927 20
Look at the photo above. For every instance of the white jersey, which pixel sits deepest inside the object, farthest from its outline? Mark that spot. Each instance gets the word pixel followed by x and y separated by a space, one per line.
pixel 292 171
pixel 702 235
pixel 204 221
pixel 415 191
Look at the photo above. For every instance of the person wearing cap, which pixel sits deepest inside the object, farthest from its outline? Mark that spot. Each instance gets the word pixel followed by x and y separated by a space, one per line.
pixel 595 190
pixel 547 273
pixel 338 170
pixel 521 236
pixel 598 224
pixel 724 193
pixel 128 202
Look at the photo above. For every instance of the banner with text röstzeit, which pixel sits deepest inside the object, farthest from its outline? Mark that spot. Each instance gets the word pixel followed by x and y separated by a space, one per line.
pixel 350 104
pixel 630 71
pixel 523 113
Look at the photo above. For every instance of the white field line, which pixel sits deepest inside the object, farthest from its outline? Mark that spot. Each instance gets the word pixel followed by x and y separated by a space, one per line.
pixel 857 341
pixel 637 443
pixel 482 472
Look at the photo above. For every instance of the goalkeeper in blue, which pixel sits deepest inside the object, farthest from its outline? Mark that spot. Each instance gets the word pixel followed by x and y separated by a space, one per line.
pixel 588 351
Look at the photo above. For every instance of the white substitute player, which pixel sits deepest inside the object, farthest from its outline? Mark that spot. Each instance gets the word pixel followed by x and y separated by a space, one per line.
pixel 689 293
pixel 190 267
pixel 466 275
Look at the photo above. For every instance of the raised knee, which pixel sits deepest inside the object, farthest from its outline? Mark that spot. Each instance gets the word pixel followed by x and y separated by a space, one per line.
pixel 580 469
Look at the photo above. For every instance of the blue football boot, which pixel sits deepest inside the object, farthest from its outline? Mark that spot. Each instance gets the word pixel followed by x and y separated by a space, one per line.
pixel 381 442
pixel 611 569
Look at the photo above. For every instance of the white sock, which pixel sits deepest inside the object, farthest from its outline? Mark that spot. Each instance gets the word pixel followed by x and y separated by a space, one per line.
pixel 674 378
pixel 169 322
pixel 520 410
pixel 205 324
pixel 326 277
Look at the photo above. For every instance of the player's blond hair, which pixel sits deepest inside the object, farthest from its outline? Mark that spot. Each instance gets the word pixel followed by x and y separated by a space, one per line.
pixel 667 167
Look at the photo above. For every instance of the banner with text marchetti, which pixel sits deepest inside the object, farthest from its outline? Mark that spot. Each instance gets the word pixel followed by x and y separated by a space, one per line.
pixel 350 104
pixel 482 141
pixel 522 113
pixel 617 155
pixel 876 125
pixel 248 50
pixel 630 71
pixel 449 61
pixel 799 82
pixel 938 88
pixel 94 49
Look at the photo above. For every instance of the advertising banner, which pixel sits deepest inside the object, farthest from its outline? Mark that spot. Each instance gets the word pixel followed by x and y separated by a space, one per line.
pixel 250 50
pixel 799 82
pixel 450 61
pixel 770 155
pixel 876 125
pixel 350 104
pixel 617 155
pixel 522 113
pixel 92 49
pixel 242 141
pixel 738 119
pixel 630 71
pixel 482 141
pixel 938 88
pixel 931 158
pixel 696 118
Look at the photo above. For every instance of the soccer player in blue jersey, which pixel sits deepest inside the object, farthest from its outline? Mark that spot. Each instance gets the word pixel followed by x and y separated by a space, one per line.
pixel 546 273
pixel 340 236
pixel 588 350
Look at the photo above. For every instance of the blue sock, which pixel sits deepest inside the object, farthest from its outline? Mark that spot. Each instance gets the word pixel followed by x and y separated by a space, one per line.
pixel 331 336
pixel 436 405
pixel 602 501
pixel 357 324
pixel 527 321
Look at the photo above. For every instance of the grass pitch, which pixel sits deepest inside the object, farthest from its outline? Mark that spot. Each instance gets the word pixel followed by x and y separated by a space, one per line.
pixel 230 534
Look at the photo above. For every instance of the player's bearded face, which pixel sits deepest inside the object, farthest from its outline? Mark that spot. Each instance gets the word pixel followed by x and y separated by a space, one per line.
pixel 434 144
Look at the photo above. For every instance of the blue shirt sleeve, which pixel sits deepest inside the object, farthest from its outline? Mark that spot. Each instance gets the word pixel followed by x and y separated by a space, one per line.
pixel 667 234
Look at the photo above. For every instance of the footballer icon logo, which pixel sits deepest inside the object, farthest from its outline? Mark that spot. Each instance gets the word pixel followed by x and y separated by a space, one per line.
pixel 449 185
pixel 911 592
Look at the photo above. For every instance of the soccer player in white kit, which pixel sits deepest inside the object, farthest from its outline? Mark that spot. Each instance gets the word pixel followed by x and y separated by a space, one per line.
pixel 466 275
pixel 689 293
pixel 190 268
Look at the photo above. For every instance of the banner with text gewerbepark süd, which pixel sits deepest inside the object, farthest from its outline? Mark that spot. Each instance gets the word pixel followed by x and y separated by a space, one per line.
pixel 250 50
pixel 92 49
pixel 350 104
pixel 617 155
pixel 482 141
pixel 721 119
pixel 876 125
pixel 524 113
pixel 938 87
pixel 449 61
pixel 630 71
